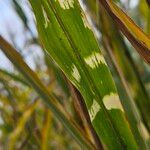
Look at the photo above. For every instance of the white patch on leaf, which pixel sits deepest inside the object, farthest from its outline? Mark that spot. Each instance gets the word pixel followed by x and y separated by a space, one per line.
pixel 112 101
pixel 46 19
pixel 94 60
pixel 75 73
pixel 95 108
pixel 66 4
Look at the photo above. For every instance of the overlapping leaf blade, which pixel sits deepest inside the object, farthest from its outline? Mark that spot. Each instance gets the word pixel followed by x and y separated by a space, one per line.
pixel 47 97
pixel 135 35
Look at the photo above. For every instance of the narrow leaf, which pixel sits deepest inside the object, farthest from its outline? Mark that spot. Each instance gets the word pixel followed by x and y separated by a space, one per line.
pixel 135 35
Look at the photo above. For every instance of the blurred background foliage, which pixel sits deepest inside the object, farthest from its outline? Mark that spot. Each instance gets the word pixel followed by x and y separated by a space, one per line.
pixel 25 122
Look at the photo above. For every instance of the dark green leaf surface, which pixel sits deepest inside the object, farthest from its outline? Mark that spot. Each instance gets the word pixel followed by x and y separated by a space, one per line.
pixel 69 40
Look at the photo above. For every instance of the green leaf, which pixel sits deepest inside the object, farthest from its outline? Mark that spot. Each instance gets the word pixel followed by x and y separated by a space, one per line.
pixel 133 90
pixel 47 97
pixel 134 34
pixel 67 37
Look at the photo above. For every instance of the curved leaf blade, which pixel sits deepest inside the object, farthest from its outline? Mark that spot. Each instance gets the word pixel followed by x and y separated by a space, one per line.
pixel 134 34
pixel 67 38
